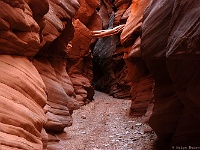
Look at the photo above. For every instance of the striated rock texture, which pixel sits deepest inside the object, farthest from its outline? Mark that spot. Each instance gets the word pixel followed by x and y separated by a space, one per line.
pixel 23 92
pixel 109 66
pixel 22 98
pixel 132 27
pixel 50 62
pixel 138 74
pixel 19 31
pixel 118 67
pixel 79 63
pixel 171 52
pixel 79 56
pixel 42 79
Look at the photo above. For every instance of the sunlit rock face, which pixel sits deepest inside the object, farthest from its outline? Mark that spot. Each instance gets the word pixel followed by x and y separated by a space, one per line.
pixel 79 57
pixel 50 62
pixel 118 67
pixel 138 74
pixel 109 66
pixel 40 81
pixel 132 27
pixel 170 32
pixel 27 29
pixel 59 104
pixel 22 98
pixel 46 49
pixel 19 31
pixel 23 92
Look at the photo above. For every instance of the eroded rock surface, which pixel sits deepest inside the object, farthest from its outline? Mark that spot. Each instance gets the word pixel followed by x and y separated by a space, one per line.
pixel 118 66
pixel 22 98
pixel 36 88
pixel 23 92
pixel 46 50
pixel 170 49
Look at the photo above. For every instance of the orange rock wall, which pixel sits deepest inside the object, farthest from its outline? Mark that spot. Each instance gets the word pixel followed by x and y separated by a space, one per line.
pixel 118 66
pixel 41 82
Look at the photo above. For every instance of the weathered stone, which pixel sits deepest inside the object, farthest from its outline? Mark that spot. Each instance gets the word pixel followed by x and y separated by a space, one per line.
pixel 19 31
pixel 25 30
pixel 132 28
pixel 172 60
pixel 79 61
pixel 86 10
pixel 22 98
pixel 121 7
pixel 58 117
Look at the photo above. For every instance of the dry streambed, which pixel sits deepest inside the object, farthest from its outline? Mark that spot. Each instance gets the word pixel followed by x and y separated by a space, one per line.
pixel 105 124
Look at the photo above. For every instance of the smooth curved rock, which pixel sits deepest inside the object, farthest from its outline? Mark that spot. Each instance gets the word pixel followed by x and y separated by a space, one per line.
pixel 185 29
pixel 79 61
pixel 23 95
pixel 57 109
pixel 155 12
pixel 57 21
pixel 51 64
pixel 173 61
pixel 25 30
pixel 142 95
pixel 132 28
pixel 19 31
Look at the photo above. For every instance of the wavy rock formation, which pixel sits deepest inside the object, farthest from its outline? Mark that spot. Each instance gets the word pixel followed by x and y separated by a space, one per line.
pixel 109 66
pixel 79 57
pixel 19 30
pixel 118 66
pixel 50 63
pixel 22 98
pixel 79 62
pixel 132 27
pixel 23 93
pixel 48 47
pixel 138 74
pixel 170 32
pixel 36 88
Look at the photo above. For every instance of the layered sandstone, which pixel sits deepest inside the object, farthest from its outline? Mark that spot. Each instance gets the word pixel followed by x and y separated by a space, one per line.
pixel 171 52
pixel 46 50
pixel 36 88
pixel 109 66
pixel 79 56
pixel 50 62
pixel 118 66
pixel 23 92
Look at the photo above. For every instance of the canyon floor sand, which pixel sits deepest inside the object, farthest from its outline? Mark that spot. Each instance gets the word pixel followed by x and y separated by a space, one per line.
pixel 105 124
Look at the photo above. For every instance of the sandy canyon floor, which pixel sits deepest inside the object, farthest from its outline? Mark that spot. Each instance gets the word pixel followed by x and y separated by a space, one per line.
pixel 105 124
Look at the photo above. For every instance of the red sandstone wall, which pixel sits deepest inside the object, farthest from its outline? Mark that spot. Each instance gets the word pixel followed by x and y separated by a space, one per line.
pixel 118 66
pixel 171 52
pixel 39 78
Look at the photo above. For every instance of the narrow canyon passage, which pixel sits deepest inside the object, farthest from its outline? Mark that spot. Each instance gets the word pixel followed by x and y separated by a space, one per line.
pixel 105 124
pixel 54 54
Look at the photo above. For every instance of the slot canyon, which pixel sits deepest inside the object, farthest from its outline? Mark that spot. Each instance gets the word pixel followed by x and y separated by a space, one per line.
pixel 99 74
